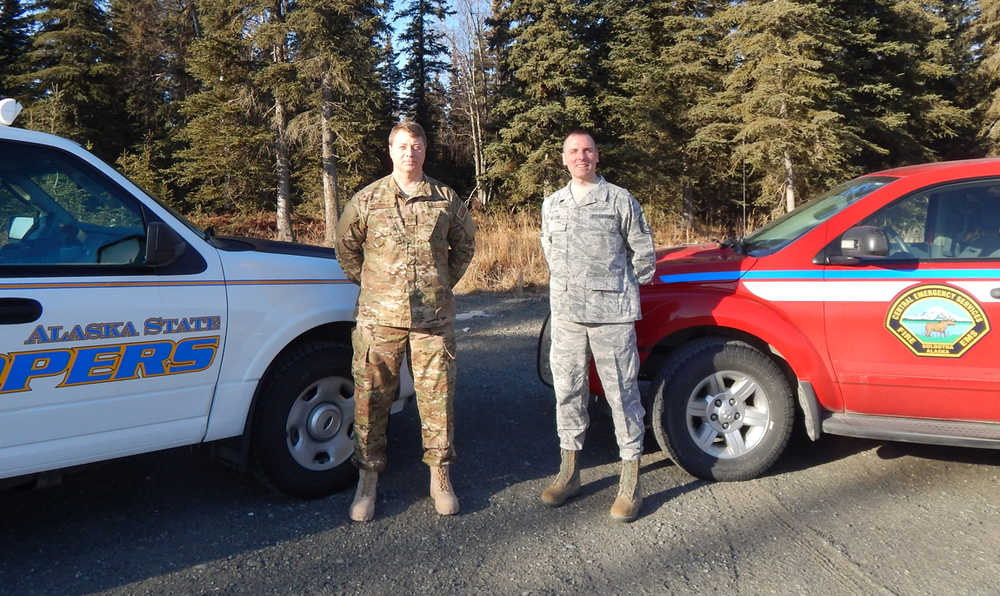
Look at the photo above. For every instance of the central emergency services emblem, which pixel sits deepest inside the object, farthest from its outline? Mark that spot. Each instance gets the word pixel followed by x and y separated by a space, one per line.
pixel 937 320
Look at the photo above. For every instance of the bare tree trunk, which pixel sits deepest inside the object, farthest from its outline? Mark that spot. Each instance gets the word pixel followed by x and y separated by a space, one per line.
pixel 331 196
pixel 470 59
pixel 688 209
pixel 284 172
pixel 789 184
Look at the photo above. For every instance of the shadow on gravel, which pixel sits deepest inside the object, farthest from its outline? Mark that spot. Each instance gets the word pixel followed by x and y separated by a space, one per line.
pixel 965 455
pixel 802 453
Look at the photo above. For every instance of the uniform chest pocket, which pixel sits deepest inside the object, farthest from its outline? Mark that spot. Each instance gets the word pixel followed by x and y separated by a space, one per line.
pixel 432 222
pixel 382 224
pixel 602 222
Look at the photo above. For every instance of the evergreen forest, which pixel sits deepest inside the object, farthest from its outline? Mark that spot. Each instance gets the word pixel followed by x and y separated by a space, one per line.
pixel 718 112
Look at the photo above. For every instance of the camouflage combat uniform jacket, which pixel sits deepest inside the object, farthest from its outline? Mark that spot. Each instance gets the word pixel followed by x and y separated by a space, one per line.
pixel 599 249
pixel 406 253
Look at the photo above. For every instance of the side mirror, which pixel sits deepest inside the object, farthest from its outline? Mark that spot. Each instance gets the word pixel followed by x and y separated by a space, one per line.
pixel 19 226
pixel 163 245
pixel 864 241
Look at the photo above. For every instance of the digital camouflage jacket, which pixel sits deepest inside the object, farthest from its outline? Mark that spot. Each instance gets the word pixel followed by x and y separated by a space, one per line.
pixel 599 249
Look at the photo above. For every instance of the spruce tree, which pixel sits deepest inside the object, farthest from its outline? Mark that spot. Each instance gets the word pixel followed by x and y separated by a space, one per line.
pixel 426 57
pixel 155 35
pixel 73 69
pixel 546 69
pixel 776 109
pixel 665 59
pixel 987 32
pixel 226 137
pixel 13 44
pixel 897 69
pixel 338 63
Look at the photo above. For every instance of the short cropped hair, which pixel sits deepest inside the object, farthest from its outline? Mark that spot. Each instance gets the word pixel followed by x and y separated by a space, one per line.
pixel 416 131
pixel 579 131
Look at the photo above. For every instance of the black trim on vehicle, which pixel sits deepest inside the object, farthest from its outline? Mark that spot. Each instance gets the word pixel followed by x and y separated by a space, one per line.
pixel 237 244
pixel 17 311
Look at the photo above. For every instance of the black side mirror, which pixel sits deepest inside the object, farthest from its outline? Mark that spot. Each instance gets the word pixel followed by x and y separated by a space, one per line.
pixel 163 245
pixel 860 242
pixel 864 241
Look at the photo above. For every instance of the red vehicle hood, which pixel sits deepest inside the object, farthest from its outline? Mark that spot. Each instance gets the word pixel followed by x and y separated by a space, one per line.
pixel 681 263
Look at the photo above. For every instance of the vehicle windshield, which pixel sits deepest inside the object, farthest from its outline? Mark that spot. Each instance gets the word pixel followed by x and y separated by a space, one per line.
pixel 782 231
pixel 184 220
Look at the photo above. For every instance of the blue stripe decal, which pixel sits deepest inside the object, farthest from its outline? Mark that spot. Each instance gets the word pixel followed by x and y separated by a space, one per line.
pixel 61 285
pixel 820 274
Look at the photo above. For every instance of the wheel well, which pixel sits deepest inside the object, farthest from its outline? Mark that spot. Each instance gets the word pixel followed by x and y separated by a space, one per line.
pixel 666 346
pixel 339 331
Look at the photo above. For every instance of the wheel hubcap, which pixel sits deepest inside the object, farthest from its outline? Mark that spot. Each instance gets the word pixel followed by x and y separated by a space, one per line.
pixel 324 422
pixel 728 414
pixel 317 431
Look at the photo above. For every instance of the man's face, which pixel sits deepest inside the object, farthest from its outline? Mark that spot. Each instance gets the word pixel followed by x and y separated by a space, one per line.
pixel 580 157
pixel 407 153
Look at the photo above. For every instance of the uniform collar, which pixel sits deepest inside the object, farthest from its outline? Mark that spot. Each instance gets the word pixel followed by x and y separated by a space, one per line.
pixel 423 189
pixel 598 193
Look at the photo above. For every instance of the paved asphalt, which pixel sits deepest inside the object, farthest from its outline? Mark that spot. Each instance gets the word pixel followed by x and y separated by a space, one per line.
pixel 841 516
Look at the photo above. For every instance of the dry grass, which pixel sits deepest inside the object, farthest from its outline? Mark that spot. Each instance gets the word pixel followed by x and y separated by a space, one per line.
pixel 508 249
pixel 508 254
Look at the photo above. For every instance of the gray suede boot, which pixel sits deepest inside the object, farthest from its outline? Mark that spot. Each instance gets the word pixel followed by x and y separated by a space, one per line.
pixel 566 483
pixel 629 499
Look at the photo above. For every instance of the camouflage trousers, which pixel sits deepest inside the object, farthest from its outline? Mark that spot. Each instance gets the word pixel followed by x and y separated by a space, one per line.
pixel 617 362
pixel 378 355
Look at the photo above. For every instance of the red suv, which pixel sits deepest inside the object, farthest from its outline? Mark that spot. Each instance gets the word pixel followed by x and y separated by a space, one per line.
pixel 866 311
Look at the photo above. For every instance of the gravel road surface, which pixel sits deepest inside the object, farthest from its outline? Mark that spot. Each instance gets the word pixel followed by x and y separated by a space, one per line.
pixel 841 516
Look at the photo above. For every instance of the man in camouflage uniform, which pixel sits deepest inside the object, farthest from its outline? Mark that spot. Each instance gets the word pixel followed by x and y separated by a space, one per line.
pixel 599 248
pixel 406 239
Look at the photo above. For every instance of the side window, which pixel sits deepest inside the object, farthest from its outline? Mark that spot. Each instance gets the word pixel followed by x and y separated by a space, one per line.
pixel 905 225
pixel 957 221
pixel 57 210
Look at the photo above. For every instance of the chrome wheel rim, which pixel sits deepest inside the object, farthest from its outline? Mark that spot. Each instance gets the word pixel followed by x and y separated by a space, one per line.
pixel 728 414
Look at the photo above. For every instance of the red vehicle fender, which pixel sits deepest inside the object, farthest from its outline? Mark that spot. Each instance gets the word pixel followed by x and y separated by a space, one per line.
pixel 684 313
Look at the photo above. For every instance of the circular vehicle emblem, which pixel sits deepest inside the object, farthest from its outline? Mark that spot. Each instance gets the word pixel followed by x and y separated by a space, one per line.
pixel 937 320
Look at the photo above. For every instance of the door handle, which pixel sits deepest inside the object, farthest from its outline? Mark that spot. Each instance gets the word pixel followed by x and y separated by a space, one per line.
pixel 995 293
pixel 15 311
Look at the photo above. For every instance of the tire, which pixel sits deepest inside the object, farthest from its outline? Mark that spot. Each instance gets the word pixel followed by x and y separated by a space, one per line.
pixel 303 423
pixel 713 382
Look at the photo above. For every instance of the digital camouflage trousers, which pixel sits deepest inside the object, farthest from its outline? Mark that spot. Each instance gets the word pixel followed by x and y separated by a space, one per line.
pixel 617 363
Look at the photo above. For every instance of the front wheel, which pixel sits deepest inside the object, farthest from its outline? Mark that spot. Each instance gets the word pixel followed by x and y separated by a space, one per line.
pixel 722 409
pixel 303 424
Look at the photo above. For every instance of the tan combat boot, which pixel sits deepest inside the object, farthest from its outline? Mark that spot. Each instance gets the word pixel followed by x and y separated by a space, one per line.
pixel 566 483
pixel 363 507
pixel 445 501
pixel 629 499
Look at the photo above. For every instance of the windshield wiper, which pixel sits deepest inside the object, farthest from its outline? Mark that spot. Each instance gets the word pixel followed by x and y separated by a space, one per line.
pixel 737 244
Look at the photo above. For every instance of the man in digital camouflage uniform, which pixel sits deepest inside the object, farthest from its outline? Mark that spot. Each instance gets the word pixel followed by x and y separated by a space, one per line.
pixel 599 248
pixel 406 239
